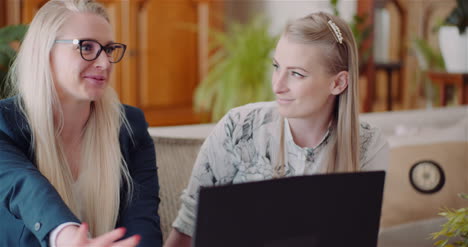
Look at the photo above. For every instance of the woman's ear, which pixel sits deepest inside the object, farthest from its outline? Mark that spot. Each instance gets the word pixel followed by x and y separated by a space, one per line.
pixel 339 83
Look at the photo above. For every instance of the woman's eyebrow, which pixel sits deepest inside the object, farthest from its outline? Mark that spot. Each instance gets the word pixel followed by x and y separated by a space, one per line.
pixel 297 67
pixel 104 44
pixel 290 67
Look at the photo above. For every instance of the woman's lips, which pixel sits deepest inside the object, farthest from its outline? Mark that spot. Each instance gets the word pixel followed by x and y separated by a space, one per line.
pixel 96 79
pixel 284 101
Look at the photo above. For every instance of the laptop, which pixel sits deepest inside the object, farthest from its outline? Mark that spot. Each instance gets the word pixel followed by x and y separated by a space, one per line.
pixel 330 210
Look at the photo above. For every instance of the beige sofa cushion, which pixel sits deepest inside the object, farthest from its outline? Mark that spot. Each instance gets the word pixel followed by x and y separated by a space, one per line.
pixel 175 158
pixel 402 203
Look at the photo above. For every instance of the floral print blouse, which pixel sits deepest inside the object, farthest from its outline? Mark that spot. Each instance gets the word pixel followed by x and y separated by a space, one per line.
pixel 243 147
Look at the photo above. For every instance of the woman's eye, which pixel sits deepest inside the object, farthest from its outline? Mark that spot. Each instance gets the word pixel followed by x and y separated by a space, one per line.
pixel 109 49
pixel 296 74
pixel 275 66
pixel 86 48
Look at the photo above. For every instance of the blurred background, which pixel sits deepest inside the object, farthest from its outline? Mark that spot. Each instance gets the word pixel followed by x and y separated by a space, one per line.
pixel 188 61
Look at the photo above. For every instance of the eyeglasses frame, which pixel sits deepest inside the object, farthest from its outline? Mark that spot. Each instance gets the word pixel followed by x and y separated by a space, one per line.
pixel 79 42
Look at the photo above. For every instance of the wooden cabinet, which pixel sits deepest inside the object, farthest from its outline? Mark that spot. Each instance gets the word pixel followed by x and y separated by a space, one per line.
pixel 366 8
pixel 161 67
pixel 3 17
pixel 168 61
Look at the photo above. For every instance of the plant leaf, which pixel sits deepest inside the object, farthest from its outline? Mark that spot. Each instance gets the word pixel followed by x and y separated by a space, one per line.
pixel 8 35
pixel 238 70
pixel 459 16
pixel 12 33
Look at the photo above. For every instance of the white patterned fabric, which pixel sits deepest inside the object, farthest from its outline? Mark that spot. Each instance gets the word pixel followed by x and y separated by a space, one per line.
pixel 244 146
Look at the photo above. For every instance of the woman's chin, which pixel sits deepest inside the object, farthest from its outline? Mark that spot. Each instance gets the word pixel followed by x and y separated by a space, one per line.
pixel 285 111
pixel 95 95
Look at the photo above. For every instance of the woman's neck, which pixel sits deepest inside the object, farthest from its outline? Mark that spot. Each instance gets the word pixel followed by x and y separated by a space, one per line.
pixel 75 116
pixel 309 132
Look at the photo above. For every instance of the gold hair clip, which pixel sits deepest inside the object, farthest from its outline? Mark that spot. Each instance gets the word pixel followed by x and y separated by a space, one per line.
pixel 336 31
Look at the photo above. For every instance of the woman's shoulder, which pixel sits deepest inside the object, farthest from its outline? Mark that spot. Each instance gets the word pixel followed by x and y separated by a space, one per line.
pixel 259 111
pixel 241 122
pixel 13 123
pixel 9 105
pixel 11 115
pixel 7 110
pixel 133 113
pixel 367 129
pixel 264 106
pixel 136 127
pixel 7 101
pixel 135 117
pixel 371 138
pixel 369 133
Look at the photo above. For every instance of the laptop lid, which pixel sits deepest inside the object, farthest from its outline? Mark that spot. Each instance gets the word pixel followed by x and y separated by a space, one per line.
pixel 332 210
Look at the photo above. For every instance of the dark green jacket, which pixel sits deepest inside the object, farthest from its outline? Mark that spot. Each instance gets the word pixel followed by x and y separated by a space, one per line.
pixel 30 207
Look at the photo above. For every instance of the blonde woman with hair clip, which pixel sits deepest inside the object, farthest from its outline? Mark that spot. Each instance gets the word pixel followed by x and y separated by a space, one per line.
pixel 312 127
pixel 77 168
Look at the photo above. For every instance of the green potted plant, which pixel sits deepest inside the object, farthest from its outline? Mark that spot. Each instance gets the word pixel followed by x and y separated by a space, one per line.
pixel 453 38
pixel 10 36
pixel 428 58
pixel 239 70
pixel 455 230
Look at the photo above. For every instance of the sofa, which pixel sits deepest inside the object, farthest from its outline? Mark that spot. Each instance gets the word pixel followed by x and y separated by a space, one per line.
pixel 438 135
pixel 408 216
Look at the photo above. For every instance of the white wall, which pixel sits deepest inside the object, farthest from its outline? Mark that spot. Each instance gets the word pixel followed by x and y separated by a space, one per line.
pixel 280 11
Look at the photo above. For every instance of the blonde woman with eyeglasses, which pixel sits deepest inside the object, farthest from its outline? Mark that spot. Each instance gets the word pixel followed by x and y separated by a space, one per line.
pixel 312 127
pixel 77 168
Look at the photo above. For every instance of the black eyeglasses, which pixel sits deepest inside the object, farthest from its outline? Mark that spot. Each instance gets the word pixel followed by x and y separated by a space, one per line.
pixel 91 49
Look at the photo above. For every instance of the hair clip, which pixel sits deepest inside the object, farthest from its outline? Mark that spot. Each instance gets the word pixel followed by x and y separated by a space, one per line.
pixel 336 31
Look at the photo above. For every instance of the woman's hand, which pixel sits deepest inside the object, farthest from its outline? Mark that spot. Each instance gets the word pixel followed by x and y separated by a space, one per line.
pixel 78 236
pixel 177 239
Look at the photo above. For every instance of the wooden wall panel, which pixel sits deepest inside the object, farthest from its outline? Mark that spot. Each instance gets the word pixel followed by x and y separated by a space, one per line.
pixel 169 60
pixel 3 13
pixel 161 67
pixel 171 53
pixel 11 12
pixel 29 9
pixel 129 35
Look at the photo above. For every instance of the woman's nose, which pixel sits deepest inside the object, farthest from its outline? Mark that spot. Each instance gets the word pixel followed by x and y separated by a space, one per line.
pixel 279 83
pixel 102 61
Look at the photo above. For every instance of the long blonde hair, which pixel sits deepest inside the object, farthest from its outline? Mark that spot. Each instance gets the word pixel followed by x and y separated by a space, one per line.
pixel 102 163
pixel 314 29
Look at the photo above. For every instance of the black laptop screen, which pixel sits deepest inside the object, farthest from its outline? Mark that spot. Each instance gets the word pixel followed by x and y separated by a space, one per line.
pixel 332 210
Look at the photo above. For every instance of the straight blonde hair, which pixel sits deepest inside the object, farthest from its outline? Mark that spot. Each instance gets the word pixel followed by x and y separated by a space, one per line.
pixel 97 197
pixel 315 30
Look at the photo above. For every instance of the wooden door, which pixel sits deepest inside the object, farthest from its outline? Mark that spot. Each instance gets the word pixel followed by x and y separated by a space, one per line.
pixel 3 16
pixel 168 68
pixel 172 57
pixel 161 67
